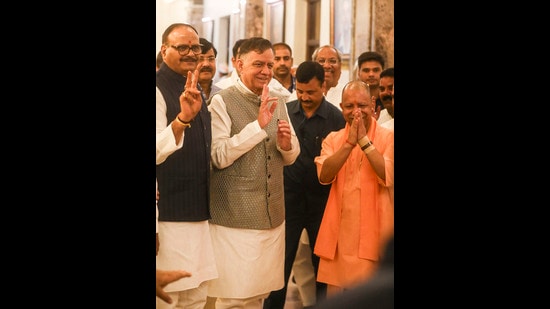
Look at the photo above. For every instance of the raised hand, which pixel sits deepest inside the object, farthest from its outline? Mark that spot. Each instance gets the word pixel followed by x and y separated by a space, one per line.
pixel 357 122
pixel 283 135
pixel 266 111
pixel 190 98
pixel 361 127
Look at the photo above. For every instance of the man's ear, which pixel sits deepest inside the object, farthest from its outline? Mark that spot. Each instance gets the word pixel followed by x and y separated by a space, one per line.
pixel 240 64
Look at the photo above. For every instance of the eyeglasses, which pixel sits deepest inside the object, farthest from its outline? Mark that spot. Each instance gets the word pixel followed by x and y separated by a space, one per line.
pixel 330 61
pixel 184 49
pixel 209 59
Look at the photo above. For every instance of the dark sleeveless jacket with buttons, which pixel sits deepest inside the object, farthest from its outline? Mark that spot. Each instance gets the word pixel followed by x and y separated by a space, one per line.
pixel 184 178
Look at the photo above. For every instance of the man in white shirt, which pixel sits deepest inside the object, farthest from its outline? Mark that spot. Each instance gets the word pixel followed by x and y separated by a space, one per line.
pixel 331 60
pixel 386 96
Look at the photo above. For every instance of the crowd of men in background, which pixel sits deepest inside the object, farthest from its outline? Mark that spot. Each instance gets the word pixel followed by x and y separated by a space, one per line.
pixel 275 173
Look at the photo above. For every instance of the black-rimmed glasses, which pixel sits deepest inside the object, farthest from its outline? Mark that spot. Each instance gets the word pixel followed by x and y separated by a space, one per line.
pixel 184 49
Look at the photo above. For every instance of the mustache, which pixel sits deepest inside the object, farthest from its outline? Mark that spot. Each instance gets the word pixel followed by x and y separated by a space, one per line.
pixel 386 98
pixel 206 69
pixel 188 59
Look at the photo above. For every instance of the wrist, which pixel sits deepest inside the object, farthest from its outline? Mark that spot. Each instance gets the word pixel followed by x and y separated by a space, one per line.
pixel 368 149
pixel 366 146
pixel 183 123
pixel 364 141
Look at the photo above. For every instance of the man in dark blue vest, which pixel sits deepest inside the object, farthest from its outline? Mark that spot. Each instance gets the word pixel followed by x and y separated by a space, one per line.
pixel 183 141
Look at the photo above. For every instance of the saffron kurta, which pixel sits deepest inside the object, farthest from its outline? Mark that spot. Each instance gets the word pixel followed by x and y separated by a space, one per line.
pixel 358 216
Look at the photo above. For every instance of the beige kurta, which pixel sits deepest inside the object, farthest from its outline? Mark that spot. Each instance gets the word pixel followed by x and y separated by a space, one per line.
pixel 242 255
pixel 186 245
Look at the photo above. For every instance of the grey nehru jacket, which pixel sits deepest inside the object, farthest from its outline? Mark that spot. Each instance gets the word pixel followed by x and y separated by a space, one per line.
pixel 250 193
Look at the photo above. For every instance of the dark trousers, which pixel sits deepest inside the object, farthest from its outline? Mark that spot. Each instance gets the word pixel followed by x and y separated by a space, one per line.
pixel 303 210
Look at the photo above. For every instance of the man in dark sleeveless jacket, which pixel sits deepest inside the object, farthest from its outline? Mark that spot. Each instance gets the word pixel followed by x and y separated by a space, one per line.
pixel 184 136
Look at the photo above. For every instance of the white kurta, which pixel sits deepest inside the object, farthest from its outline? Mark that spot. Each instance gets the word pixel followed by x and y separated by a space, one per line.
pixel 388 124
pixel 183 245
pixel 186 245
pixel 250 262
pixel 384 116
pixel 334 94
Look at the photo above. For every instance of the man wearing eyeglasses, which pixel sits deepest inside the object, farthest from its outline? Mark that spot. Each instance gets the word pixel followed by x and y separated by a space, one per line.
pixel 331 60
pixel 183 141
